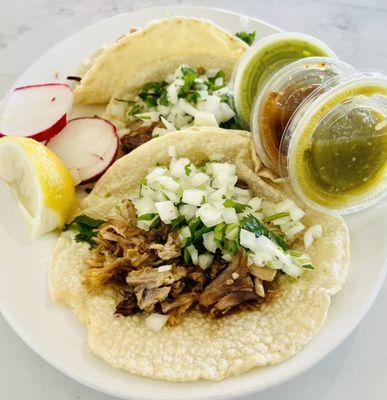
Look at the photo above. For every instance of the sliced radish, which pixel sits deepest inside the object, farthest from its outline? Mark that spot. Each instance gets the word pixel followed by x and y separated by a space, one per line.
pixel 87 146
pixel 36 111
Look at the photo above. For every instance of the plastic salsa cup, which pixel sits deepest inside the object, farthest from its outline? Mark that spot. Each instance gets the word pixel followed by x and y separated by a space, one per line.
pixel 335 145
pixel 265 58
pixel 280 97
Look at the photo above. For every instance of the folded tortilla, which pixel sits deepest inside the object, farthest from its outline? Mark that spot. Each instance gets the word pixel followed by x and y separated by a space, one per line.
pixel 200 347
pixel 157 50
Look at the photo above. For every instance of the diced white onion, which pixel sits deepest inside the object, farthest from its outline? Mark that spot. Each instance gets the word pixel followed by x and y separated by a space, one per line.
pixel 187 211
pixel 247 239
pixel 255 203
pixel 178 167
pixel 209 241
pixel 194 254
pixel 204 118
pixel 164 268
pixel 205 260
pixel 195 197
pixel 314 232
pixel 184 233
pixel 292 270
pixel 232 233
pixel 155 321
pixel 167 211
pixel 227 256
pixel 209 215
pixel 199 179
pixel 144 205
pixel 296 213
pixel 168 183
pixel 230 216
pixel 155 173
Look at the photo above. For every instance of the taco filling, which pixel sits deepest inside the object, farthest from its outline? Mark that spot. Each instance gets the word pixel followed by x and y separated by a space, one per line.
pixel 188 97
pixel 195 237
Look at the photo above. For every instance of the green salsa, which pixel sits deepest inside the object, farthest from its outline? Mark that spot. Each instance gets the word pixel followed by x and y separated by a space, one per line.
pixel 348 155
pixel 268 60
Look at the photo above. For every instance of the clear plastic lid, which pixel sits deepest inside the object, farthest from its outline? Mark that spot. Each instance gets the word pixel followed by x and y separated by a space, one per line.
pixel 266 57
pixel 335 145
pixel 281 96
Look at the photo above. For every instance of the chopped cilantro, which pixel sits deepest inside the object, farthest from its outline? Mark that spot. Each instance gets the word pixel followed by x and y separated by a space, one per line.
pixel 211 85
pixel 231 246
pixel 124 101
pixel 248 38
pixel 136 109
pixel 275 216
pixel 163 99
pixel 193 97
pixel 198 234
pixel 186 255
pixel 252 224
pixel 188 169
pixel 231 124
pixel 219 233
pixel 146 217
pixel 177 222
pixel 193 224
pixel 239 207
pixel 187 91
pixel 152 91
pixel 86 227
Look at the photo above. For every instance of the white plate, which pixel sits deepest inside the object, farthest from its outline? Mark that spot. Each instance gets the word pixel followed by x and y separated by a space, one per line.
pixel 52 330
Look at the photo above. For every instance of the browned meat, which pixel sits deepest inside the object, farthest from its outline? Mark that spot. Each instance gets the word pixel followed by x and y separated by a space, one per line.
pixel 263 273
pixel 197 278
pixel 259 289
pixel 129 257
pixel 169 250
pixel 177 288
pixel 176 308
pixel 234 279
pixel 242 184
pixel 216 267
pixel 272 290
pixel 97 276
pixel 232 300
pixel 150 278
pixel 128 305
pixel 148 298
pixel 140 132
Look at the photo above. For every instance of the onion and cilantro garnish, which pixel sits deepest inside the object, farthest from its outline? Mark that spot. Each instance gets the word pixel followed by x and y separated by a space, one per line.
pixel 188 97
pixel 214 216
pixel 248 38
pixel 87 228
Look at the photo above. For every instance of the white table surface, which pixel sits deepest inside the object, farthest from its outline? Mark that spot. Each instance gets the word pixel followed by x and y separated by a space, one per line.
pixel 356 30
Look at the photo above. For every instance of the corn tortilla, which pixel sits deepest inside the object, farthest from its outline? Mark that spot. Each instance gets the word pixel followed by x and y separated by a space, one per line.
pixel 157 50
pixel 200 347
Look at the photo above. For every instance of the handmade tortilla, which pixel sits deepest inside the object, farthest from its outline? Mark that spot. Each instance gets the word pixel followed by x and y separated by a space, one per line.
pixel 200 347
pixel 154 52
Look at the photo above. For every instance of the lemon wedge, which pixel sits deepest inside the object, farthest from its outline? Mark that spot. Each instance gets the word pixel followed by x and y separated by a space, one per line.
pixel 40 181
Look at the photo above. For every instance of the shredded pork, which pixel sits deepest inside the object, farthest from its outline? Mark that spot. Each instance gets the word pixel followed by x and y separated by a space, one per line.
pixel 129 258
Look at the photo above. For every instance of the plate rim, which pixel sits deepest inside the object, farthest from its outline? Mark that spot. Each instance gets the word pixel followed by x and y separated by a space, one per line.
pixel 231 394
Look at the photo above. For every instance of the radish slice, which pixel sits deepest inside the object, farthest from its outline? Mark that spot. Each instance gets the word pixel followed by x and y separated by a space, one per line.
pixel 87 146
pixel 36 111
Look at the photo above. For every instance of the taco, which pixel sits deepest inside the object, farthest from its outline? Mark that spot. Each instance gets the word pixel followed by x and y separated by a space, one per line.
pixel 157 50
pixel 185 264
pixel 153 88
